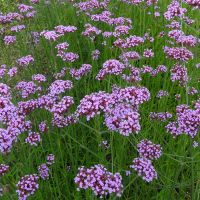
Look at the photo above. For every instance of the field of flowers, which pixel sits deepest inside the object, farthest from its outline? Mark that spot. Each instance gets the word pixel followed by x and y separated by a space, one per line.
pixel 99 99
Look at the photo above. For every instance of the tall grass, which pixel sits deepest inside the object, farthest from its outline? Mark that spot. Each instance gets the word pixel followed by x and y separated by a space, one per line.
pixel 77 145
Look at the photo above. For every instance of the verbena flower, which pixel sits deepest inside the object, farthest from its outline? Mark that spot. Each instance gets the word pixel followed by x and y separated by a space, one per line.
pixel 27 186
pixel 144 168
pixel 99 180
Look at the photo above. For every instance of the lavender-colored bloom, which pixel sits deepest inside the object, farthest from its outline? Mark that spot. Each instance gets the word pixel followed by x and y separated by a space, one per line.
pixel 24 8
pixel 39 78
pixel 64 29
pixel 33 139
pixel 95 54
pixel 68 56
pixel 174 10
pixel 43 127
pixel 62 46
pixel 160 116
pixel 25 61
pixel 130 55
pixel 121 30
pixel 36 37
pixel 43 171
pixel 6 140
pixel 3 69
pixel 178 53
pixel 17 28
pixel 50 35
pixel 63 105
pixel 27 186
pixel 198 65
pixel 78 73
pixel 148 53
pixel 149 150
pixel 144 168
pixel 91 31
pixel 27 88
pixel 195 144
pixel 50 159
pixel 162 93
pixel 192 91
pixel 123 119
pixel 187 122
pixel 9 39
pixel 128 173
pixel 110 67
pixel 179 73
pixel 60 86
pixel 99 180
pixel 135 75
pixel 12 72
pixel 129 42
pixel 3 169
pixel 194 3
pixel 30 14
pixel 34 1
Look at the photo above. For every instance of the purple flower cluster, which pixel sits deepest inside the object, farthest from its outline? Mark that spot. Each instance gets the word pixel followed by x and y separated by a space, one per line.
pixel 195 3
pixel 43 171
pixel 148 53
pixel 68 56
pixel 27 186
pixel 134 76
pixel 24 8
pixel 34 1
pixel 10 17
pixel 147 149
pixel 78 73
pixel 121 30
pixel 9 39
pixel 178 53
pixel 39 78
pixel 95 54
pixel 144 168
pixel 62 46
pixel 159 69
pixel 123 119
pixel 129 42
pixel 91 31
pixel 187 122
pixel 99 180
pixel 17 28
pixel 160 116
pixel 91 5
pixel 59 86
pixel 58 31
pixel 174 10
pixel 162 93
pixel 3 169
pixel 50 159
pixel 130 55
pixel 179 73
pixel 27 88
pixel 110 67
pixel 33 138
pixel 43 127
pixel 120 108
pixel 12 72
pixel 50 35
pixel 25 61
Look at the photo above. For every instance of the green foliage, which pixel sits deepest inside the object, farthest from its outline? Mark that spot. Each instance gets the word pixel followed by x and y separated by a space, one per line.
pixel 178 168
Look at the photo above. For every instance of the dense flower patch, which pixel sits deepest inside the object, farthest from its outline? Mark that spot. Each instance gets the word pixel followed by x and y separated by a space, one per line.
pixel 121 59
